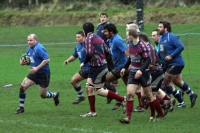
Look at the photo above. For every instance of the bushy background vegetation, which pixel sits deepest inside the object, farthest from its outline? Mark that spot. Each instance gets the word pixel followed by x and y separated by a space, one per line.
pixel 59 5
pixel 20 13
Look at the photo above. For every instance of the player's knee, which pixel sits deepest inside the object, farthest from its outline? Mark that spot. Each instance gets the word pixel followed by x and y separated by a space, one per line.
pixel 167 81
pixel 73 82
pixel 89 85
pixel 129 96
pixel 43 96
pixel 21 89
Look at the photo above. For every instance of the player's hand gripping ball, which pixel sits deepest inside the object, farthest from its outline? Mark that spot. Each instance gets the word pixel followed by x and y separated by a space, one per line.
pixel 25 59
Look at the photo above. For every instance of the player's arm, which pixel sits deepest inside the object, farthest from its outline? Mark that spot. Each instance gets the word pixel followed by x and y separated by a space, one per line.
pixel 70 59
pixel 42 64
pixel 126 52
pixel 147 62
pixel 88 58
pixel 179 46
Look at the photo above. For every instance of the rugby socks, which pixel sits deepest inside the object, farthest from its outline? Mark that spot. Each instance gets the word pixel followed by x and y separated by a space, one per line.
pixel 50 94
pixel 168 90
pixel 114 89
pixel 91 100
pixel 129 109
pixel 79 91
pixel 187 89
pixel 22 97
pixel 166 97
pixel 177 95
pixel 139 98
pixel 158 107
pixel 113 95
pixel 152 108
pixel 110 87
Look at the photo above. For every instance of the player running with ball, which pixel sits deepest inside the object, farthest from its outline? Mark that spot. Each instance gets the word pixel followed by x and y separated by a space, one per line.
pixel 39 73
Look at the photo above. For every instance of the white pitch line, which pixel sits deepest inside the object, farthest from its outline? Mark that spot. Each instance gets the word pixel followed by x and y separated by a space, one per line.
pixel 49 126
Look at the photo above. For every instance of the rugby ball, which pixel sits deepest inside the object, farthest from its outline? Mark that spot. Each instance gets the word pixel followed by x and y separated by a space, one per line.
pixel 26 58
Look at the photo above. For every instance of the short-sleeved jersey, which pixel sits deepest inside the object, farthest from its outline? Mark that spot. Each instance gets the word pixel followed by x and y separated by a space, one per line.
pixel 95 46
pixel 79 52
pixel 137 54
pixel 154 59
pixel 100 31
pixel 170 44
pixel 37 54
pixel 117 48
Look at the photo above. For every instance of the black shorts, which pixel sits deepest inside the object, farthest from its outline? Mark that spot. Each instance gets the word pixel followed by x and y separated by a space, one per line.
pixel 40 79
pixel 157 78
pixel 98 74
pixel 83 73
pixel 144 80
pixel 116 73
pixel 174 70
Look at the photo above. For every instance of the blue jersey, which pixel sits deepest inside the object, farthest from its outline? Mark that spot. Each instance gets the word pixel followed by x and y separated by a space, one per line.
pixel 37 54
pixel 170 44
pixel 117 48
pixel 79 52
pixel 100 31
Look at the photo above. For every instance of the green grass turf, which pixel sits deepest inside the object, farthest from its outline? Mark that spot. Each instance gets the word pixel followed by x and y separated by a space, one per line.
pixel 41 115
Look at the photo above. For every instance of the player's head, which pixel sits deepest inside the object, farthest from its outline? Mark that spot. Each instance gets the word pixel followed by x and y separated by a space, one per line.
pixel 103 17
pixel 164 27
pixel 127 24
pixel 88 27
pixel 109 30
pixel 132 34
pixel 80 37
pixel 32 40
pixel 133 26
pixel 144 37
pixel 155 35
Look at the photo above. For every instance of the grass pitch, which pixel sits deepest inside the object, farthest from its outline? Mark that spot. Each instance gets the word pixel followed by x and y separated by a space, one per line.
pixel 41 115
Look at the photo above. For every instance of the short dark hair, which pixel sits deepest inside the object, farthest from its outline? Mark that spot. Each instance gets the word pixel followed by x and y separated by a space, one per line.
pixel 133 32
pixel 144 37
pixel 80 32
pixel 104 13
pixel 157 30
pixel 111 28
pixel 166 25
pixel 88 27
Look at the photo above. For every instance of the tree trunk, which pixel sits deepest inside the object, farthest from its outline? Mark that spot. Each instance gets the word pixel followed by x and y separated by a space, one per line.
pixel 37 2
pixel 29 5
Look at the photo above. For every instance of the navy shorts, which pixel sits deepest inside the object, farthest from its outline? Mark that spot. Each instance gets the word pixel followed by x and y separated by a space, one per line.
pixel 157 79
pixel 144 80
pixel 174 70
pixel 40 79
pixel 116 72
pixel 98 74
pixel 83 73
